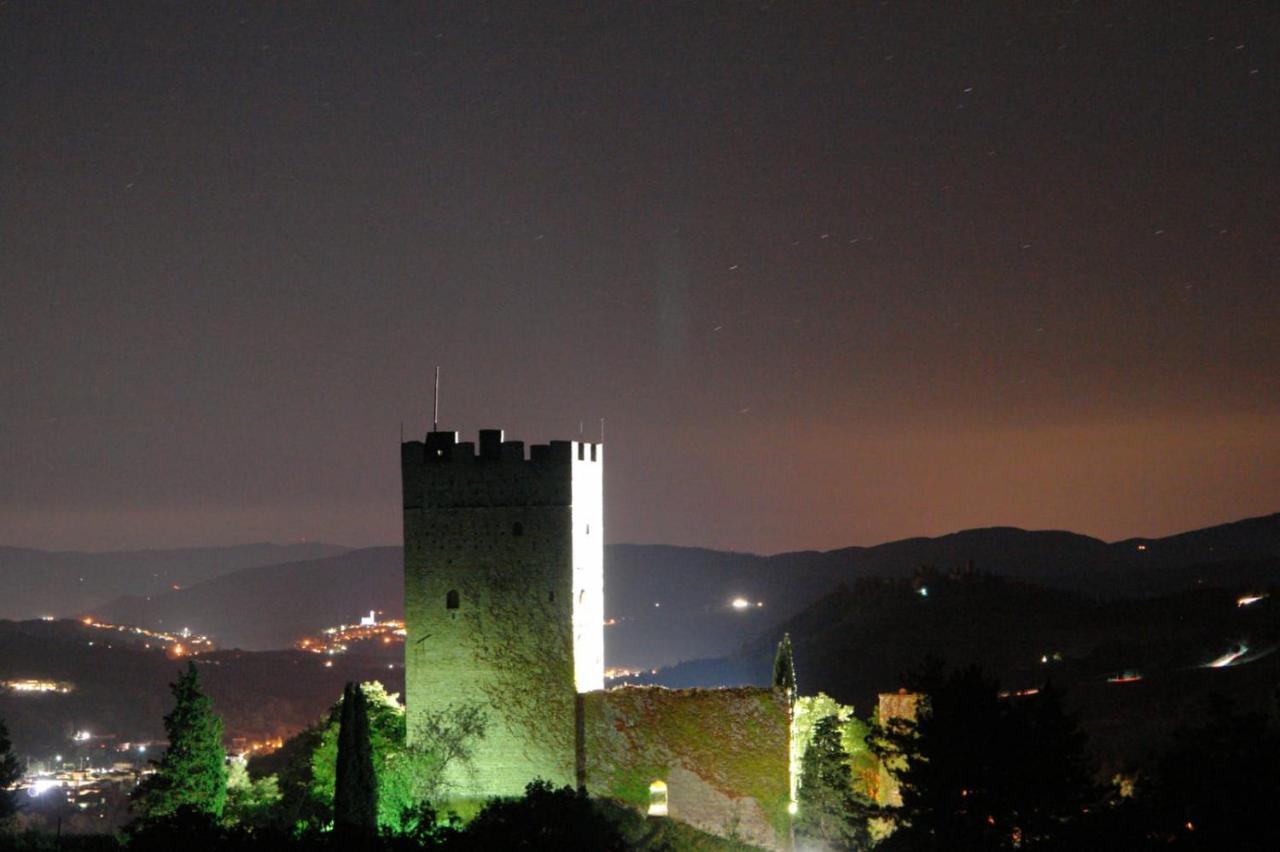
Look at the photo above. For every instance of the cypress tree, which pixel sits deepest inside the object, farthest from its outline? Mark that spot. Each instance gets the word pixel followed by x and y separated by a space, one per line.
pixel 192 774
pixel 784 667
pixel 355 793
pixel 828 810
pixel 10 773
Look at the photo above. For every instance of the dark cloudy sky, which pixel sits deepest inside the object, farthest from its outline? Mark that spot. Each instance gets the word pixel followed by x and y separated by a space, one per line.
pixel 832 273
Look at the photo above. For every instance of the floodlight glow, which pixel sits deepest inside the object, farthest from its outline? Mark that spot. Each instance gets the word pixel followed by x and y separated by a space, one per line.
pixel 1245 600
pixel 41 786
pixel 587 514
pixel 82 736
pixel 741 603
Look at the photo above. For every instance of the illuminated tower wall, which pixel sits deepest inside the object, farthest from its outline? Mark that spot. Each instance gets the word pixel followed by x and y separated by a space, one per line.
pixel 504 597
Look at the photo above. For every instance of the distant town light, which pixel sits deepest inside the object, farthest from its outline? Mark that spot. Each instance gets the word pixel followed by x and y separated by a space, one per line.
pixel 1127 676
pixel 1230 657
pixel 1246 600
pixel 741 603
pixel 923 591
pixel 32 685
pixel 42 785
pixel 82 736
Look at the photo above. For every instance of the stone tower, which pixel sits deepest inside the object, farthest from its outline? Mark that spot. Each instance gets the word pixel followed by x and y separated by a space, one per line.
pixel 504 598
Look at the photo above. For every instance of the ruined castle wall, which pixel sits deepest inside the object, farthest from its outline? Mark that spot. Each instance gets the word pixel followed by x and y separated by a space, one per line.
pixel 723 754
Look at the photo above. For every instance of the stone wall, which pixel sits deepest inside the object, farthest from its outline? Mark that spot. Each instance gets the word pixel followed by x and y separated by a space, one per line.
pixel 723 754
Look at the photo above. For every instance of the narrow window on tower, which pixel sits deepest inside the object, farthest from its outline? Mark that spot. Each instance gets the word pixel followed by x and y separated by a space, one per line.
pixel 451 599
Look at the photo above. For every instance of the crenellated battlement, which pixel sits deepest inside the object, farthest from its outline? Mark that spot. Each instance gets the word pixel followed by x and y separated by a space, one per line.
pixel 443 471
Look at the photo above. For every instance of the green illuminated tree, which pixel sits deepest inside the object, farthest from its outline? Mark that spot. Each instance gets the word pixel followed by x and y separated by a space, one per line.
pixel 10 772
pixel 829 811
pixel 784 666
pixel 192 775
pixel 442 738
pixel 355 793
pixel 408 776
pixel 386 719
pixel 251 803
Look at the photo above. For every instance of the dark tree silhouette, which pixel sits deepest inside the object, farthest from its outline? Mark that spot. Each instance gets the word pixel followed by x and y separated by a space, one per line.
pixel 1217 785
pixel 784 666
pixel 828 811
pixel 543 820
pixel 192 774
pixel 10 773
pixel 355 794
pixel 981 772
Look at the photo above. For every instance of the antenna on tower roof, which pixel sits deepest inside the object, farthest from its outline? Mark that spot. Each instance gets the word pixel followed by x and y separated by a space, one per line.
pixel 602 430
pixel 435 404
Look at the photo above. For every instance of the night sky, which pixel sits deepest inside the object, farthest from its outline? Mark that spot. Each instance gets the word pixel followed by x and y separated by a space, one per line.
pixel 833 274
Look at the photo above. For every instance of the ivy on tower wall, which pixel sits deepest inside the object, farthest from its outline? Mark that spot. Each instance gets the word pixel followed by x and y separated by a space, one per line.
pixel 723 753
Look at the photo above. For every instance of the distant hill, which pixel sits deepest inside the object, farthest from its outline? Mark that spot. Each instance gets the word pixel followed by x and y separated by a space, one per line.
pixel 272 606
pixel 861 639
pixel 121 690
pixel 675 603
pixel 34 583
pixel 695 587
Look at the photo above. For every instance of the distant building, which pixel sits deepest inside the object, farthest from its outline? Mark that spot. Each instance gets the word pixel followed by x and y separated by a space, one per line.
pixel 894 705
pixel 504 608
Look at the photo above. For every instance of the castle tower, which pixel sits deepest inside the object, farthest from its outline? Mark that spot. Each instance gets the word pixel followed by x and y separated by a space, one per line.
pixel 504 597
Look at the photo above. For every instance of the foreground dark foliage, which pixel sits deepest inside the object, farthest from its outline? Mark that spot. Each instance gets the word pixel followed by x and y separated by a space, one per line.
pixel 10 772
pixel 544 819
pixel 984 772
